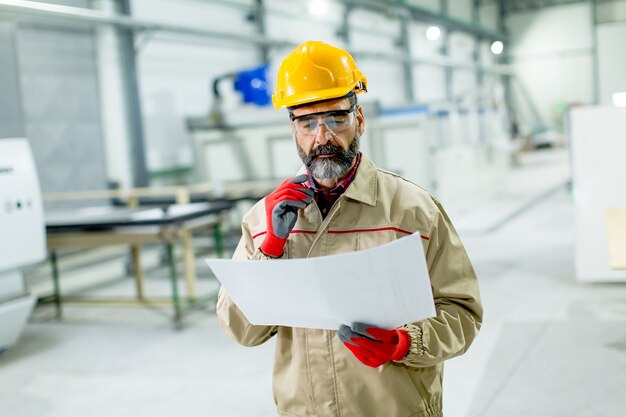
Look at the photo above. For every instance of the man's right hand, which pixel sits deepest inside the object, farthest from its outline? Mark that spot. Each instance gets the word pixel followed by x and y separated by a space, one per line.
pixel 281 211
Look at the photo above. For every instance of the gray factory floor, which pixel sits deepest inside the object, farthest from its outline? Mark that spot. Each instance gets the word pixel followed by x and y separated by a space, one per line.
pixel 549 346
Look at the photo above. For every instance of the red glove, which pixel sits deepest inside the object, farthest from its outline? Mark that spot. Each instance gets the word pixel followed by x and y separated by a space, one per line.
pixel 281 211
pixel 374 346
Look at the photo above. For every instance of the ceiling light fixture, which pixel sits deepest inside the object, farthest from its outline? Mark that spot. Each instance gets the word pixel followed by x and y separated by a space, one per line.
pixel 433 33
pixel 619 99
pixel 497 47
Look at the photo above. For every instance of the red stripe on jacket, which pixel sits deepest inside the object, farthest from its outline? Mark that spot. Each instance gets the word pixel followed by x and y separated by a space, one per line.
pixel 380 229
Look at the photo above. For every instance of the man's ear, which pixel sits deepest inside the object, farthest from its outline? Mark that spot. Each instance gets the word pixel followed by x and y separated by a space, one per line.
pixel 360 120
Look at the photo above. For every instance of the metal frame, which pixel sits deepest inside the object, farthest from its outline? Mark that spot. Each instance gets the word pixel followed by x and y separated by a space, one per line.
pixel 520 6
pixel 93 17
pixel 422 14
pixel 169 236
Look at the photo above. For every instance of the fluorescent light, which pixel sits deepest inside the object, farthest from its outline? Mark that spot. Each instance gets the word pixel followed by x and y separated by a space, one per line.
pixel 619 99
pixel 318 7
pixel 433 33
pixel 497 47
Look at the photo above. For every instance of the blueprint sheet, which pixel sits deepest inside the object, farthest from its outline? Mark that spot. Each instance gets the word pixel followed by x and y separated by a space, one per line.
pixel 387 286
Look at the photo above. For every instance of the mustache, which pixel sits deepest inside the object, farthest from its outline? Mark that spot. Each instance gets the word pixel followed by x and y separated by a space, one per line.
pixel 325 149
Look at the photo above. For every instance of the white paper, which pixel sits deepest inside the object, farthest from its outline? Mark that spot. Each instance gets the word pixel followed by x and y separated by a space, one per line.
pixel 387 286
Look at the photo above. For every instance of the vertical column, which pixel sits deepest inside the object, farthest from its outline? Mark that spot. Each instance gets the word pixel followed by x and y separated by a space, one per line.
pixel 344 30
pixel 259 20
pixel 131 90
pixel 480 75
pixel 113 104
pixel 445 50
pixel 594 50
pixel 11 113
pixel 503 59
pixel 407 66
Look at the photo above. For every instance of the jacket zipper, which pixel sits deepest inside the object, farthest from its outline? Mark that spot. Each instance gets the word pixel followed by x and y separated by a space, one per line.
pixel 325 222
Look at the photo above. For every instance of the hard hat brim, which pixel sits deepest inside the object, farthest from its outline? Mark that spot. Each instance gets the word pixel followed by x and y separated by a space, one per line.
pixel 313 96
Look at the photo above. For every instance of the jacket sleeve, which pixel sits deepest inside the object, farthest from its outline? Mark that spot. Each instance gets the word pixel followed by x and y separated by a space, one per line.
pixel 456 295
pixel 231 319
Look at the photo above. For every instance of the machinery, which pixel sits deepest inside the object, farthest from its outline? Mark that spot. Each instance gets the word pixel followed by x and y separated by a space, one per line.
pixel 22 235
pixel 253 86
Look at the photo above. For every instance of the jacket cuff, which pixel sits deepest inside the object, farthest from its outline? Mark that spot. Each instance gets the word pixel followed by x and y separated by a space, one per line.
pixel 258 255
pixel 416 348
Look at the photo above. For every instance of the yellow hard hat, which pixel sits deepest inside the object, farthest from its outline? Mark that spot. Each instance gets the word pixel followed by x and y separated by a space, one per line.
pixel 316 71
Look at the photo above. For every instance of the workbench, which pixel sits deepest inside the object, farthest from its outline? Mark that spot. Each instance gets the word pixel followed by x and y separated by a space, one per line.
pixel 94 227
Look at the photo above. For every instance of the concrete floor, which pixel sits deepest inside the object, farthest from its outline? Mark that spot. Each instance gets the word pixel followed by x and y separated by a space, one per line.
pixel 549 346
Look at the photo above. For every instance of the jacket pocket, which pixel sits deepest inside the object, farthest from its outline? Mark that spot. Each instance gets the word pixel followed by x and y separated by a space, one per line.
pixel 428 387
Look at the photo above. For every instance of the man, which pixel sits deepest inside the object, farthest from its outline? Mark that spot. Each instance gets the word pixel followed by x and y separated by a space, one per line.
pixel 341 203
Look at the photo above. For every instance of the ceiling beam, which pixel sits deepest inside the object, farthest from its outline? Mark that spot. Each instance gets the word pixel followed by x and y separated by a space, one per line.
pixel 392 7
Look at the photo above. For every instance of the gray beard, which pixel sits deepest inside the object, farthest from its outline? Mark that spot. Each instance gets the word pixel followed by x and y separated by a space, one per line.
pixel 330 167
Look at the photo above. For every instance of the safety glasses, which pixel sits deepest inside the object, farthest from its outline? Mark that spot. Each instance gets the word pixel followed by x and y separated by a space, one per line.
pixel 336 120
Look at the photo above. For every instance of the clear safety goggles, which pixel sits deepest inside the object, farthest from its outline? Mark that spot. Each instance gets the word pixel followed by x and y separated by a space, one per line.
pixel 336 120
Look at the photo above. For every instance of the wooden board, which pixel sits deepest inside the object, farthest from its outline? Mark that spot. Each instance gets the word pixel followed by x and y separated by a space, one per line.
pixel 616 232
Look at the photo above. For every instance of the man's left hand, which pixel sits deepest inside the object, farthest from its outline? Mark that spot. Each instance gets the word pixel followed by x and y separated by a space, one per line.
pixel 374 346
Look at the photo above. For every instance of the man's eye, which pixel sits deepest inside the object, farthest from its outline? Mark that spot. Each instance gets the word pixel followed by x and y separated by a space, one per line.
pixel 307 124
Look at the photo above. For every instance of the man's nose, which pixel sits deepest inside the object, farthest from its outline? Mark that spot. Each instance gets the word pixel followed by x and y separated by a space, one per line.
pixel 323 135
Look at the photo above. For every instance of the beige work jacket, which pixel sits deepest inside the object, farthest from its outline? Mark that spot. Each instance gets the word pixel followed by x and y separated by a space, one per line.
pixel 314 373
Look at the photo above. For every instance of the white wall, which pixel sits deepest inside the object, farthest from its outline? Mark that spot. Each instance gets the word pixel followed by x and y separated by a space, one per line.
pixel 461 50
pixel 175 73
pixel 460 9
pixel 552 58
pixel 552 55
pixel 488 15
pixel 429 80
pixel 61 111
pixel 292 21
pixel 612 11
pixel 374 32
pixel 612 65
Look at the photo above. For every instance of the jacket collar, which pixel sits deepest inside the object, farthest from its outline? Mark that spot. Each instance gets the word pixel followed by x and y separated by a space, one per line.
pixel 364 186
